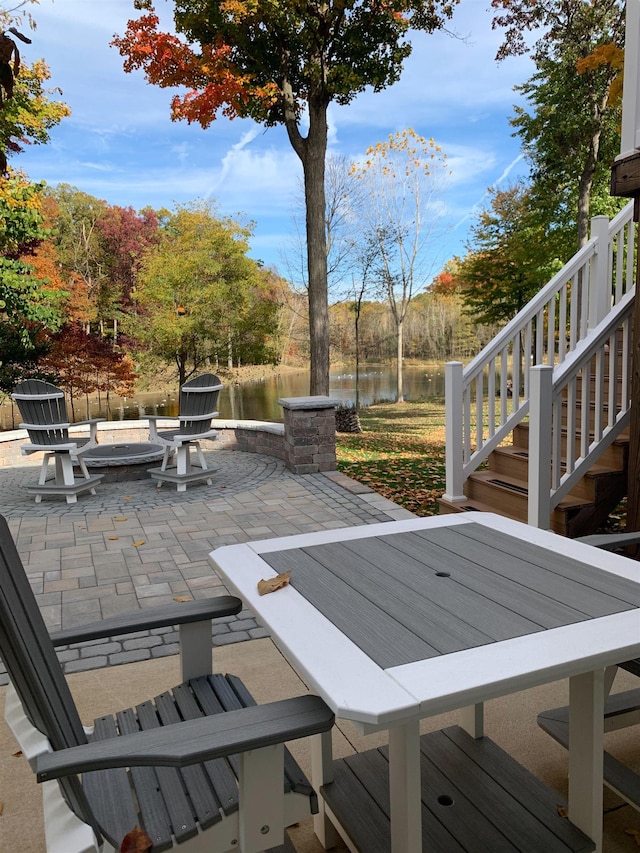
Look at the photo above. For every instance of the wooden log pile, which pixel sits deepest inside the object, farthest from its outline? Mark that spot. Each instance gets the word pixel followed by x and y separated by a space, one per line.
pixel 347 419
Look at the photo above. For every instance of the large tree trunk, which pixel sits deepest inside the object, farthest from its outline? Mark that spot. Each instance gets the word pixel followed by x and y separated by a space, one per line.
pixel 400 356
pixel 314 193
pixel 312 153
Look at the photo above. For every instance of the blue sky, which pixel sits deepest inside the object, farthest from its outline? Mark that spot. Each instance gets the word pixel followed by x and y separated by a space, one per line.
pixel 120 145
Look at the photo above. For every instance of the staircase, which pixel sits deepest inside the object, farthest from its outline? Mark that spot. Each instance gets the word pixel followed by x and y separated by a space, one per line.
pixel 520 440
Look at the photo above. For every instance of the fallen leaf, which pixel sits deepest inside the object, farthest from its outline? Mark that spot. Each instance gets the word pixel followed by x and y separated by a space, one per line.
pixel 272 584
pixel 1 808
pixel 136 841
pixel 127 497
pixel 17 754
pixel 113 538
pixel 562 811
pixel 120 518
pixel 138 544
pixel 182 598
pixel 635 834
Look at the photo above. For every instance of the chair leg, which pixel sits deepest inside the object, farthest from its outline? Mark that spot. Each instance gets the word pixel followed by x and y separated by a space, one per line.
pixel 202 461
pixel 85 472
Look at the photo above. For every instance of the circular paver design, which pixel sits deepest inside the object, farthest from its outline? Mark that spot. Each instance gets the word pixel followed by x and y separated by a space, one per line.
pixel 233 471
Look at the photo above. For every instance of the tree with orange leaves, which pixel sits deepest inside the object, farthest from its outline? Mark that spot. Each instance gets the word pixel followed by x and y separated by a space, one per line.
pixel 276 61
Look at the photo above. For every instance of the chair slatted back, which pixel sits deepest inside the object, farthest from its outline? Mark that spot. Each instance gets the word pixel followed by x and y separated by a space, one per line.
pixel 198 397
pixel 29 656
pixel 33 667
pixel 42 404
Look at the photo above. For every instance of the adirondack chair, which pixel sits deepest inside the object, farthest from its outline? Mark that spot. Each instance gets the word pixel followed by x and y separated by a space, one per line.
pixel 621 709
pixel 43 409
pixel 200 768
pixel 198 398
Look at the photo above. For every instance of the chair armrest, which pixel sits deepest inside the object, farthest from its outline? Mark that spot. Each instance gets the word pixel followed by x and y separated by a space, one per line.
pixel 193 741
pixel 611 541
pixel 179 613
pixel 88 422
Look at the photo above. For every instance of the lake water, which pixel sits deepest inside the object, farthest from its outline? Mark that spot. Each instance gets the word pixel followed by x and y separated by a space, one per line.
pixel 258 400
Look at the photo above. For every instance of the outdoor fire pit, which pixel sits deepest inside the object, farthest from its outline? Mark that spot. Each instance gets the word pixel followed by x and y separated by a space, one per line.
pixel 121 462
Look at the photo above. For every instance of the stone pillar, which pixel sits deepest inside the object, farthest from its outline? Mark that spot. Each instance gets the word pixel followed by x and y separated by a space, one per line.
pixel 309 434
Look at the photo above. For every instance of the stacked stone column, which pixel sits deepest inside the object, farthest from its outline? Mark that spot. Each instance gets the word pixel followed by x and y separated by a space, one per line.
pixel 309 434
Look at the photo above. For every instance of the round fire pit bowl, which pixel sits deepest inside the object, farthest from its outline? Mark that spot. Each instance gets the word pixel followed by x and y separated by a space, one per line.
pixel 123 462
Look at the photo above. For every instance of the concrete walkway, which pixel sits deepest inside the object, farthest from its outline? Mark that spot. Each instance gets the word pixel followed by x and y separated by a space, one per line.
pixel 132 545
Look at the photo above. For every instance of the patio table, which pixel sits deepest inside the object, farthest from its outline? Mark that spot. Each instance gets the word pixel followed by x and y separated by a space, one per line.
pixel 394 622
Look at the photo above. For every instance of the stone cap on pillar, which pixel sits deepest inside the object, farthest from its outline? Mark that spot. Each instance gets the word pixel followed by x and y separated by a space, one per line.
pixel 315 402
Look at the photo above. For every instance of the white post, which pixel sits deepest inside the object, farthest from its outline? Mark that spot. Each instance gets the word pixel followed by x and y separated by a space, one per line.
pixel 586 712
pixel 630 139
pixel 540 396
pixel 453 395
pixel 404 788
pixel 599 273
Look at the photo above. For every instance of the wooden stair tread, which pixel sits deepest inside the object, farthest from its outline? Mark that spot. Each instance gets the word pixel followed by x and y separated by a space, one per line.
pixel 474 797
pixel 510 484
pixel 596 470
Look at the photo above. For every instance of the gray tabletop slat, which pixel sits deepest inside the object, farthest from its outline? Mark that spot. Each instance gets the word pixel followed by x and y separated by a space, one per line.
pixel 497 621
pixel 505 590
pixel 614 586
pixel 362 566
pixel 533 591
pixel 351 612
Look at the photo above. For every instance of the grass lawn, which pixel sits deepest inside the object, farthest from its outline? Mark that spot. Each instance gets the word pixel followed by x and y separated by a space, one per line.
pixel 399 453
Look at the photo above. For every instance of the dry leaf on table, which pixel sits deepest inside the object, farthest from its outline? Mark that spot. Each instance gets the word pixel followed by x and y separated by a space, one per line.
pixel 136 841
pixel 272 584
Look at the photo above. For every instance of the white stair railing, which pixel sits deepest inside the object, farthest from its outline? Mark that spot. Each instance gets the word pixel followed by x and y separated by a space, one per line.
pixel 483 402
pixel 578 410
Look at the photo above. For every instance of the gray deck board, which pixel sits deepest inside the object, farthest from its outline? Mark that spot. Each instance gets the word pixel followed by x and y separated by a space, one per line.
pixel 491 802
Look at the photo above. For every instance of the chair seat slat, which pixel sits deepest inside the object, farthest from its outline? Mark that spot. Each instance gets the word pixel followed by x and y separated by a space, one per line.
pixel 109 791
pixel 204 802
pixel 154 818
pixel 170 781
pixel 222 778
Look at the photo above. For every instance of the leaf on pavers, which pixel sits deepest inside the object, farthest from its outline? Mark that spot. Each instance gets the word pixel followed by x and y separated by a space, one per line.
pixel 1 808
pixel 127 497
pixel 272 584
pixel 138 544
pixel 120 518
pixel 17 754
pixel 136 841
pixel 113 538
pixel 182 598
pixel 635 834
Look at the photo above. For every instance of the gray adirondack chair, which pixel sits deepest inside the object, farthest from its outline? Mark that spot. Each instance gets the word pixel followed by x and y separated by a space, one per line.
pixel 621 709
pixel 198 399
pixel 43 409
pixel 199 768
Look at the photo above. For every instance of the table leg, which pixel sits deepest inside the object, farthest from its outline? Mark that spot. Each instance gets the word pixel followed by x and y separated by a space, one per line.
pixel 586 720
pixel 405 789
